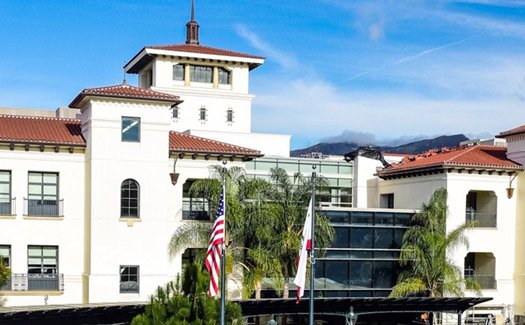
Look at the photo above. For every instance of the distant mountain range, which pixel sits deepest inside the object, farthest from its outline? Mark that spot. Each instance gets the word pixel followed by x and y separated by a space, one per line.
pixel 341 148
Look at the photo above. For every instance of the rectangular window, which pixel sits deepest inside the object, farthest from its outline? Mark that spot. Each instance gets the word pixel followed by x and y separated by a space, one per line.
pixel 147 78
pixel 224 76
pixel 179 70
pixel 42 194
pixel 386 201
pixel 131 129
pixel 5 255
pixel 200 73
pixel 175 112
pixel 229 115
pixel 129 279
pixel 202 114
pixel 42 268
pixel 42 259
pixel 5 192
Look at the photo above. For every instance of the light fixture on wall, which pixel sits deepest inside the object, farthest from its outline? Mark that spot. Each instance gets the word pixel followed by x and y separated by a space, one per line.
pixel 510 190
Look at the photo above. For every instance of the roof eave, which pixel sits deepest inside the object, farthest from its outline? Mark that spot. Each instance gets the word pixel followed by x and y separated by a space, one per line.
pixel 241 155
pixel 440 166
pixel 83 96
pixel 146 55
pixel 138 61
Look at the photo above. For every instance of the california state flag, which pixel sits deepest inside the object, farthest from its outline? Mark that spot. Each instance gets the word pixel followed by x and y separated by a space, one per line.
pixel 306 246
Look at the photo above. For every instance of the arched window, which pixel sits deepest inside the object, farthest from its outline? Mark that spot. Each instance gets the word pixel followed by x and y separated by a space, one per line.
pixel 129 198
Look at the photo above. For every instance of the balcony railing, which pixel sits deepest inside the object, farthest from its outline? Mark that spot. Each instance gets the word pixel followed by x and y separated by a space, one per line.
pixel 44 208
pixel 8 208
pixel 481 219
pixel 34 282
pixel 194 209
pixel 484 281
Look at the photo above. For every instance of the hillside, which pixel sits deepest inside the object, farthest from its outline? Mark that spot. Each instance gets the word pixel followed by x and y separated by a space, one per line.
pixel 341 148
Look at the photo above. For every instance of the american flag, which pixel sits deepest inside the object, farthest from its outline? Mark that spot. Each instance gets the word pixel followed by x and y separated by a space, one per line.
pixel 213 255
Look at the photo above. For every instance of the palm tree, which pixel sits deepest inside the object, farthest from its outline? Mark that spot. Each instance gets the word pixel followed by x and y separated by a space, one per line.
pixel 290 198
pixel 248 225
pixel 264 223
pixel 428 271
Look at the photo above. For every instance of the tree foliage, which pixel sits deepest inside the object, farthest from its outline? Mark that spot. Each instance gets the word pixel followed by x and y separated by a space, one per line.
pixel 427 269
pixel 186 303
pixel 264 221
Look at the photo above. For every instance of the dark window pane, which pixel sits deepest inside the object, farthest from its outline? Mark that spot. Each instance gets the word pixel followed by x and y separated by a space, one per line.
pixel 361 274
pixel 131 129
pixel 384 274
pixel 384 218
pixel 384 238
pixel 336 273
pixel 362 218
pixel 361 237
pixel 342 237
pixel 398 238
pixel 403 219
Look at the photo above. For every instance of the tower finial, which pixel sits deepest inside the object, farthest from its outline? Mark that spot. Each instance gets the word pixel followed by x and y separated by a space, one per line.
pixel 192 10
pixel 192 28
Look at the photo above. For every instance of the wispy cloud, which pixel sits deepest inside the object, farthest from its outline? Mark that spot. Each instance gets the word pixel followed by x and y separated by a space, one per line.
pixel 499 3
pixel 491 25
pixel 428 51
pixel 286 60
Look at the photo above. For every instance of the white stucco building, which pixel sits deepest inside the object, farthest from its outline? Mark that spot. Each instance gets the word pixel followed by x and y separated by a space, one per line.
pixel 88 204
pixel 477 178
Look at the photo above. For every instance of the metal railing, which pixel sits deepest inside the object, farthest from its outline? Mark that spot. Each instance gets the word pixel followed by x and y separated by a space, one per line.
pixel 484 281
pixel 44 208
pixel 8 208
pixel 34 282
pixel 481 219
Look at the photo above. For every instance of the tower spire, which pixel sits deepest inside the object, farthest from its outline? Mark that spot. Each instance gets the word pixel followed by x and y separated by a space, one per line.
pixel 192 28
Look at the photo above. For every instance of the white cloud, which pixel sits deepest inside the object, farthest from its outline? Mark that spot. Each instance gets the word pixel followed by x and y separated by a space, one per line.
pixel 286 60
pixel 317 109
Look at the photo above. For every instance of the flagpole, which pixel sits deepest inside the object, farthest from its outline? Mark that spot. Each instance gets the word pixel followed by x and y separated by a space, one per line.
pixel 223 253
pixel 312 253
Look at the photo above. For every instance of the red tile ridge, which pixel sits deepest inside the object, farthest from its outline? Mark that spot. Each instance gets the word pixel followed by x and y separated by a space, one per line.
pixel 202 49
pixel 32 117
pixel 235 148
pixel 125 91
pixel 513 131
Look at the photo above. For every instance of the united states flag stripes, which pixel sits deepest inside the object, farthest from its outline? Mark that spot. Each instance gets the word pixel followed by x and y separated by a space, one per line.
pixel 213 255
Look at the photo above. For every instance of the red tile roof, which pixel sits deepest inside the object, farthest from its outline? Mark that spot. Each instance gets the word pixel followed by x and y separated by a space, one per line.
pixel 41 130
pixel 476 156
pixel 181 142
pixel 201 49
pixel 517 130
pixel 145 57
pixel 125 91
pixel 50 130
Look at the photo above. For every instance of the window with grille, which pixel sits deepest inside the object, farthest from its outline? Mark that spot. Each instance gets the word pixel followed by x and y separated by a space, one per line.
pixel 129 198
pixel 202 113
pixel 5 192
pixel 129 278
pixel 131 129
pixel 224 76
pixel 5 255
pixel 229 115
pixel 179 72
pixel 199 73
pixel 42 194
pixel 42 260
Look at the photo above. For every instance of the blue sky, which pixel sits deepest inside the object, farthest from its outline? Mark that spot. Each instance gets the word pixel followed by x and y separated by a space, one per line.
pixel 381 71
